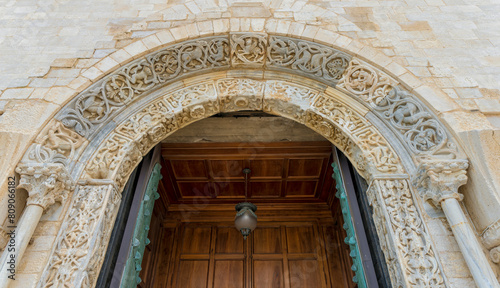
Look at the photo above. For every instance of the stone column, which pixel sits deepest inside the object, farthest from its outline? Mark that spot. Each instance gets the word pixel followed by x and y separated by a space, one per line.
pixel 46 183
pixel 439 181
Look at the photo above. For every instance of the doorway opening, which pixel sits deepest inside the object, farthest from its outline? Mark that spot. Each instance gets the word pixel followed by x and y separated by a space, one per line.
pixel 192 241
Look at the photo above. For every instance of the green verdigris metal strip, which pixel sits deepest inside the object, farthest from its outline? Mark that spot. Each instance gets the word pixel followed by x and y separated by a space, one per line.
pixel 357 266
pixel 130 277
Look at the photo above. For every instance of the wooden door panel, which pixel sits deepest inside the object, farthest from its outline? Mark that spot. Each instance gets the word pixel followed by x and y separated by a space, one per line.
pixel 229 274
pixel 196 240
pixel 268 274
pixel 304 274
pixel 267 240
pixel 300 239
pixel 229 241
pixel 193 274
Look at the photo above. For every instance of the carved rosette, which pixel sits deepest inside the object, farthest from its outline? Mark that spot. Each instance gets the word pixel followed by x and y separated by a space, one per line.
pixel 439 180
pixel 366 82
pixel 404 240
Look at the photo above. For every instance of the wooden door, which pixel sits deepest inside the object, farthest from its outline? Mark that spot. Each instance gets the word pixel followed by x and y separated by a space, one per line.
pixel 276 255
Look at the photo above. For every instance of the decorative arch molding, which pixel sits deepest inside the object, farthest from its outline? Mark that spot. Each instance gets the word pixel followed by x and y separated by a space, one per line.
pixel 100 136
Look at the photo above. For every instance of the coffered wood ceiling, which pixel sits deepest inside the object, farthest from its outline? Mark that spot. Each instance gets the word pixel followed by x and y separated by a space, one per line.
pixel 289 172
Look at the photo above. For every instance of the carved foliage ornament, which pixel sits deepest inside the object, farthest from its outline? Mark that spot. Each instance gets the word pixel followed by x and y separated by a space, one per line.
pixel 240 94
pixel 112 93
pixel 406 115
pixel 318 61
pixel 74 243
pixel 403 236
pixel 95 106
pixel 439 180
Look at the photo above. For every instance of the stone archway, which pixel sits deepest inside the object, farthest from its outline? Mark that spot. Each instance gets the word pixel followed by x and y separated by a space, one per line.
pixel 89 150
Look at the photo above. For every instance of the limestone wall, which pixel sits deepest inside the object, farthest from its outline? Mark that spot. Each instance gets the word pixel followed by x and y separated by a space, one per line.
pixel 52 50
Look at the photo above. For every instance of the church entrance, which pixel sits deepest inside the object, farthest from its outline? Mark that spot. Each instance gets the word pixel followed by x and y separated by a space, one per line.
pixel 192 241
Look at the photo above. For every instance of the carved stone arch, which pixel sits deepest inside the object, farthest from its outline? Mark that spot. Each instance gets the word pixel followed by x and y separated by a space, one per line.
pixel 102 134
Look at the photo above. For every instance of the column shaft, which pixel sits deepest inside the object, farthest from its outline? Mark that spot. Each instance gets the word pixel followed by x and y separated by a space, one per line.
pixel 26 227
pixel 469 245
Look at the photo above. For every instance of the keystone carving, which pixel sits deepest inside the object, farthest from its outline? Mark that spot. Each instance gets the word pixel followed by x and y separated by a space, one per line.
pixel 439 180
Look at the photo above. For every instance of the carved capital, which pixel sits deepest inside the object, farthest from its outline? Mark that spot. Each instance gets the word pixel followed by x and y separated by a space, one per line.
pixel 46 183
pixel 439 180
pixel 491 239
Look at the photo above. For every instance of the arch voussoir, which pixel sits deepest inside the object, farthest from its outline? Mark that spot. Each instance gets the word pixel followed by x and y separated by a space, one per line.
pixel 125 114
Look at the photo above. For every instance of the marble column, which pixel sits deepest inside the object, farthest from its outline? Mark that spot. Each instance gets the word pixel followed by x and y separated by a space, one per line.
pixel 46 183
pixel 439 181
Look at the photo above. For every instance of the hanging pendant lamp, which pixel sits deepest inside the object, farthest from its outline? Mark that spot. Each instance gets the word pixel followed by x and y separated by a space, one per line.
pixel 246 219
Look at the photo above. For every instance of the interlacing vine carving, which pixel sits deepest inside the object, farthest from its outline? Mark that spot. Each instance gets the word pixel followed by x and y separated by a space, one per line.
pixel 411 242
pixel 405 242
pixel 74 242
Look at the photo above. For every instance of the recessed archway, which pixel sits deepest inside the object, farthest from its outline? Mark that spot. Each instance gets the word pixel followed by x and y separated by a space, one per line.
pixel 101 135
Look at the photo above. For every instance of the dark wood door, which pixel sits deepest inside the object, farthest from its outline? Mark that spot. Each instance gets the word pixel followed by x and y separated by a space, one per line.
pixel 277 254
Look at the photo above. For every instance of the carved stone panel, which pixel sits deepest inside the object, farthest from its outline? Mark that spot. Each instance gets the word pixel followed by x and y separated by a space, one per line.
pixel 85 228
pixel 404 240
pixel 315 60
pixel 248 49
pixel 240 94
pixel 109 95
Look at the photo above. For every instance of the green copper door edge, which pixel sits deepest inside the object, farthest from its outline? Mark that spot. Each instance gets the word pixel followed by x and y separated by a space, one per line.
pixel 351 240
pixel 130 277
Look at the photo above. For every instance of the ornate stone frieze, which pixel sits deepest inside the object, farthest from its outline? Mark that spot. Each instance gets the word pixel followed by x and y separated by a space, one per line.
pixel 407 116
pixel 248 49
pixel 68 265
pixel 288 92
pixel 109 157
pixel 109 95
pixel 339 113
pixel 197 112
pixel 421 132
pixel 404 239
pixel 240 94
pixel 61 140
pixel 366 82
pixel 89 276
pixel 439 180
pixel 318 61
pixel 193 94
pixel 145 119
pixel 331 132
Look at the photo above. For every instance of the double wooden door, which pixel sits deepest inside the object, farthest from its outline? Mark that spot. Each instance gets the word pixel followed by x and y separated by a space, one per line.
pixel 276 255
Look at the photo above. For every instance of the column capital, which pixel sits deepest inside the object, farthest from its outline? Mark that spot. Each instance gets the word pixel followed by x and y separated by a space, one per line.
pixel 439 180
pixel 45 183
pixel 44 176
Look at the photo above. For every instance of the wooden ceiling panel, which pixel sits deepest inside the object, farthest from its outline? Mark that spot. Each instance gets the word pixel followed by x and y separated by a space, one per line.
pixel 230 189
pixel 305 167
pixel 222 169
pixel 280 172
pixel 194 169
pixel 268 189
pixel 268 168
pixel 301 188
pixel 195 189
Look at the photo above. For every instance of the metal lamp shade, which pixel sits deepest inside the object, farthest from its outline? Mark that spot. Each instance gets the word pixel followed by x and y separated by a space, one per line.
pixel 245 220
